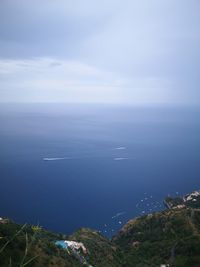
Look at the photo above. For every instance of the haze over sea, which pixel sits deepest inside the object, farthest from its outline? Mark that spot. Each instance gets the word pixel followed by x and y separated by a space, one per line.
pixel 67 166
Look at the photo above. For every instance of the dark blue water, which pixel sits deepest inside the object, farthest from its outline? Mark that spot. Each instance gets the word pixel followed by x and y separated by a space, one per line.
pixel 159 155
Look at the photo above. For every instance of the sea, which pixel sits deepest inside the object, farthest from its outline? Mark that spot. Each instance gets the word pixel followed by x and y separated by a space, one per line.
pixel 66 166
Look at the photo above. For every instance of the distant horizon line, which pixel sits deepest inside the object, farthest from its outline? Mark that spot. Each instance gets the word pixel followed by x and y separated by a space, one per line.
pixel 178 104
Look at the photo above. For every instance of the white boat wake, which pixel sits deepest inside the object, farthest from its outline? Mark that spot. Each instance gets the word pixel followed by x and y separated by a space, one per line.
pixel 120 158
pixel 118 214
pixel 52 159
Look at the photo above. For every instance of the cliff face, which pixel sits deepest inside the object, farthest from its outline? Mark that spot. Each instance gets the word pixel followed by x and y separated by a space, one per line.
pixel 171 237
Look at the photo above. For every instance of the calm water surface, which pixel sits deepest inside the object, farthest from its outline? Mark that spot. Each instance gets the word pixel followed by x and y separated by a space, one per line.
pixel 103 165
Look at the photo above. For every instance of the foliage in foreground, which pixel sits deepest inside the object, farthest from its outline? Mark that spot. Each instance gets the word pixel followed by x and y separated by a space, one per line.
pixel 169 237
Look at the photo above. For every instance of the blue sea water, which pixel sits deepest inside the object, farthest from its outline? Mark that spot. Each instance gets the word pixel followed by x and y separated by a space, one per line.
pixel 70 166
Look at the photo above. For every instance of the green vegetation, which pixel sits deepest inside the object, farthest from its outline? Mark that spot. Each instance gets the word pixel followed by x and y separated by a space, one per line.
pixel 102 252
pixel 31 246
pixel 169 237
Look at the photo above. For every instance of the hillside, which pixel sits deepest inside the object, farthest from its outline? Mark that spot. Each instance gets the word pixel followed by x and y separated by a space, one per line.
pixel 168 238
pixel 22 244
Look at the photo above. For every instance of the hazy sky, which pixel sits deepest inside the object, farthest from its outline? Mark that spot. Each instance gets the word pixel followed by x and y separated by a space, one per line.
pixel 134 52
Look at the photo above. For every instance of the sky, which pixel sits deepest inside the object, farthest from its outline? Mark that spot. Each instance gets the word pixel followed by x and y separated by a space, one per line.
pixel 104 51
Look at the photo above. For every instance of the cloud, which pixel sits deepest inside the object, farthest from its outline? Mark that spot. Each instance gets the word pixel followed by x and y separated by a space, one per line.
pixel 54 80
pixel 139 51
